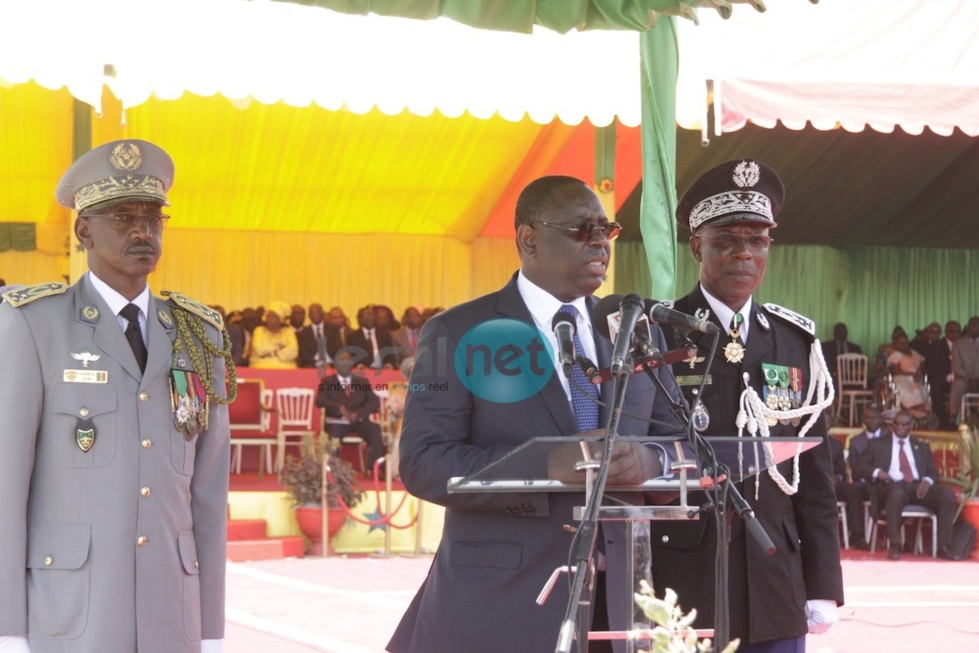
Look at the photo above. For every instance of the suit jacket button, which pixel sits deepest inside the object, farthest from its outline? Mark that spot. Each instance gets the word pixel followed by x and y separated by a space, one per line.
pixel 142 540
pixel 48 561
pixel 83 412
pixel 147 443
pixel 666 539
pixel 144 396
pixel 144 491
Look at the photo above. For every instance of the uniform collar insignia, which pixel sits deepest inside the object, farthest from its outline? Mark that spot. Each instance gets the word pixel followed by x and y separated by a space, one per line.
pixel 763 321
pixel 90 313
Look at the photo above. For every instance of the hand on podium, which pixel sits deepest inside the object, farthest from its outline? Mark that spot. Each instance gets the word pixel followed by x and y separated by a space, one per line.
pixel 631 463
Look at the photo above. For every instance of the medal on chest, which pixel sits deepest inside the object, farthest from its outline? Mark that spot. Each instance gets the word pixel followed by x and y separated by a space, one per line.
pixel 188 400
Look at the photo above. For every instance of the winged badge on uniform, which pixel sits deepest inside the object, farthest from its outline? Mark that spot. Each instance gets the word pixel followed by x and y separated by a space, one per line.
pixel 86 357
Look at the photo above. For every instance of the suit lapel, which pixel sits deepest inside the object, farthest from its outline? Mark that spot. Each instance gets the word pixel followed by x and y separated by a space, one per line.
pixel 511 305
pixel 603 350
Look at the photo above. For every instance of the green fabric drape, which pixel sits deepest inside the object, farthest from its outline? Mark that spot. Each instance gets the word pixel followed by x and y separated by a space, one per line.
pixel 20 236
pixel 660 57
pixel 870 289
pixel 559 15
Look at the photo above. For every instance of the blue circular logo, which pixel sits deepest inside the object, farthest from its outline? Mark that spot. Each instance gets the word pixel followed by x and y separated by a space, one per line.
pixel 504 360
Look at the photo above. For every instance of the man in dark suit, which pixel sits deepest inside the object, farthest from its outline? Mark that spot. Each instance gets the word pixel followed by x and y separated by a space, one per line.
pixel 838 345
pixel 372 345
pixel 350 401
pixel 312 340
pixel 776 599
pixel 498 549
pixel 337 331
pixel 938 366
pixel 859 490
pixel 904 472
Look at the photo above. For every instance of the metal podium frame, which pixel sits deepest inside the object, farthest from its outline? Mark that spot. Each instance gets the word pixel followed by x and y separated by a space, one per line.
pixel 525 469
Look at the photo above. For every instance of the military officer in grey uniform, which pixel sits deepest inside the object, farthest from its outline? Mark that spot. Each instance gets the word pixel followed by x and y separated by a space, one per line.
pixel 115 447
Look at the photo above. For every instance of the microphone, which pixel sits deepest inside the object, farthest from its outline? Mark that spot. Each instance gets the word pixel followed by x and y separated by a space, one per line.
pixel 564 329
pixel 661 313
pixel 629 311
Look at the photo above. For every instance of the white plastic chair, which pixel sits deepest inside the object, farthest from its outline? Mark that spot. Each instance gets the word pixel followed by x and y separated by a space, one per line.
pixel 917 513
pixel 851 371
pixel 295 418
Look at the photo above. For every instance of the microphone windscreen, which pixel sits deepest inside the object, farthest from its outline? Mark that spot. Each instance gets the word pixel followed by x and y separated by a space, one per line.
pixel 564 316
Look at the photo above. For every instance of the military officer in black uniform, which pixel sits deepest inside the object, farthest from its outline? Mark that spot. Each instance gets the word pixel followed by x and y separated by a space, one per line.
pixel 768 368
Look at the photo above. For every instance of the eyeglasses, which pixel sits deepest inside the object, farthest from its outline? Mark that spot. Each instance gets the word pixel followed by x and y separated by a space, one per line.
pixel 585 231
pixel 126 221
pixel 725 242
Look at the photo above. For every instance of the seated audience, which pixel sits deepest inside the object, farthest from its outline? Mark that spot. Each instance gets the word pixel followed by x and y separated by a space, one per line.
pixel 349 402
pixel 338 332
pixel 859 489
pixel 938 367
pixel 965 363
pixel 903 472
pixel 274 345
pixel 312 340
pixel 907 374
pixel 374 346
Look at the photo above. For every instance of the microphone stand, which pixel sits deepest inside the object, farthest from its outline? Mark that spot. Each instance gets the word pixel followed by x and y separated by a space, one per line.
pixel 722 491
pixel 588 530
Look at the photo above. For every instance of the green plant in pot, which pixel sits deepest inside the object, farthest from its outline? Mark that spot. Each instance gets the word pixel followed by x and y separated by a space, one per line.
pixel 302 478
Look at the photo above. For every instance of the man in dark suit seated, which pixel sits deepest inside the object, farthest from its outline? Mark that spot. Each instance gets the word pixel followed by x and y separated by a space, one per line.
pixel 859 490
pixel 350 401
pixel 312 340
pixel 904 472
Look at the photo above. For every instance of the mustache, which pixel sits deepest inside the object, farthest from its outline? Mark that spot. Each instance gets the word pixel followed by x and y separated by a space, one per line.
pixel 142 246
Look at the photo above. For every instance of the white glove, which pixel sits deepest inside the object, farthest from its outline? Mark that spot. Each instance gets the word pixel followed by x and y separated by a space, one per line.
pixel 212 646
pixel 14 644
pixel 821 614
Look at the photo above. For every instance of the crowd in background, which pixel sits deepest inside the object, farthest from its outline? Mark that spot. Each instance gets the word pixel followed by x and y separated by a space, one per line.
pixel 928 373
pixel 286 336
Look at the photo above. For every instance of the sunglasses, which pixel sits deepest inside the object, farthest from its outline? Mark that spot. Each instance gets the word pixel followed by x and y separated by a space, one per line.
pixel 585 231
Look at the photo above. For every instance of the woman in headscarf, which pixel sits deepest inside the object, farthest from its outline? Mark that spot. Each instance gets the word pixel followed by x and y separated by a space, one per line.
pixel 274 345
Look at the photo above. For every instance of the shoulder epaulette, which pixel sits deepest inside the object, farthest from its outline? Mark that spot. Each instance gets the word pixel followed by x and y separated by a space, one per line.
pixel 207 314
pixel 793 318
pixel 26 294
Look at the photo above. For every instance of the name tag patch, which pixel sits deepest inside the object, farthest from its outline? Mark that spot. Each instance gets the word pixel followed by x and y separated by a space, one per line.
pixel 86 376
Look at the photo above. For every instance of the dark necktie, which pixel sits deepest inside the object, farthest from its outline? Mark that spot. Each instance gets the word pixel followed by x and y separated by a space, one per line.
pixel 320 344
pixel 905 465
pixel 134 335
pixel 583 404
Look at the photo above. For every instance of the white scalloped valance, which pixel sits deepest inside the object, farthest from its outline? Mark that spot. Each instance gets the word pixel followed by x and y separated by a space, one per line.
pixel 271 52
